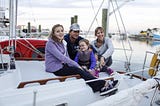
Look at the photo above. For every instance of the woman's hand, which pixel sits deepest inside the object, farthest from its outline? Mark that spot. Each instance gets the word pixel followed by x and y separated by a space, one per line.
pixel 96 56
pixel 102 61
pixel 91 72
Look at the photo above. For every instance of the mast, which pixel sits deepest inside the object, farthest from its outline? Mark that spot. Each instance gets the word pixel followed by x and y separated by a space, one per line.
pixel 12 30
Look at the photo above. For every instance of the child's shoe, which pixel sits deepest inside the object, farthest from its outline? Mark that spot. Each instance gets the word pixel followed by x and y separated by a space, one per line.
pixel 96 73
pixel 110 71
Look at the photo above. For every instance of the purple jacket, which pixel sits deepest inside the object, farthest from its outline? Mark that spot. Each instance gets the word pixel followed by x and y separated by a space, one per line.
pixel 56 54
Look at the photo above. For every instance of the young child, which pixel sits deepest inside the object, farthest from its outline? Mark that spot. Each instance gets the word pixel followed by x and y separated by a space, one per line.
pixel 85 57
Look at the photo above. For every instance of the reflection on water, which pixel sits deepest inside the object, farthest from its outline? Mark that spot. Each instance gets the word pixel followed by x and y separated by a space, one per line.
pixel 135 51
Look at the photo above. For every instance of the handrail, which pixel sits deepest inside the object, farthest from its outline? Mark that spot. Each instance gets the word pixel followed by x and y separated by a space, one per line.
pixel 44 81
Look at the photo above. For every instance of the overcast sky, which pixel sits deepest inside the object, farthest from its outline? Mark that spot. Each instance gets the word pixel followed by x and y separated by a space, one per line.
pixel 137 15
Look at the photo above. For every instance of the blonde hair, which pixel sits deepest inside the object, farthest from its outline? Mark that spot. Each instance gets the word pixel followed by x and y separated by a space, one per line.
pixel 52 34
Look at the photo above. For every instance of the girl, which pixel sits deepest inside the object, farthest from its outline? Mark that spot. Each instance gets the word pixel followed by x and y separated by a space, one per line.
pixel 85 57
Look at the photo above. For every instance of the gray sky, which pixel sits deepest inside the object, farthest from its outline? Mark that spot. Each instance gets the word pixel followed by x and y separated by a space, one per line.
pixel 137 15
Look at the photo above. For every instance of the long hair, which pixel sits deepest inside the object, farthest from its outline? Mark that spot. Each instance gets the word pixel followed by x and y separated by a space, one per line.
pixel 52 34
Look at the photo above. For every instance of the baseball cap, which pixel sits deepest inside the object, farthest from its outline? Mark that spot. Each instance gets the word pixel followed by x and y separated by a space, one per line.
pixel 75 27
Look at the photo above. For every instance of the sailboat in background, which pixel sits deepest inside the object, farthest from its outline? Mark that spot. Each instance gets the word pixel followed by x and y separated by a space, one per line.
pixel 25 83
pixel 156 34
pixel 24 48
pixel 3 23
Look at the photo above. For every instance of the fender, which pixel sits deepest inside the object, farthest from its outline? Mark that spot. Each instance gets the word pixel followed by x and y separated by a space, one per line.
pixel 154 64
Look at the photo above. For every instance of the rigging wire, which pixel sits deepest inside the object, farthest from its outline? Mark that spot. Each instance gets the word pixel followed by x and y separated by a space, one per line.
pixel 95 17
pixel 94 11
pixel 32 12
pixel 127 64
pixel 128 59
pixel 123 23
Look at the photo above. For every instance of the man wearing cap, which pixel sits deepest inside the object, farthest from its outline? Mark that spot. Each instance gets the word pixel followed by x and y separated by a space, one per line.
pixel 72 39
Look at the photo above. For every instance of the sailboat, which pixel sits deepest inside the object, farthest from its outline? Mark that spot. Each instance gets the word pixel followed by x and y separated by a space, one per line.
pixel 26 83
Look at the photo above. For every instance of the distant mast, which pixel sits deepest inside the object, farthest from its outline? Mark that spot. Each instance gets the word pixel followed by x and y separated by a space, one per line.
pixel 3 19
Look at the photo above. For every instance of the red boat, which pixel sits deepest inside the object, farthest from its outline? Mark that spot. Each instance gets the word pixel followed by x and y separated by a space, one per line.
pixel 25 48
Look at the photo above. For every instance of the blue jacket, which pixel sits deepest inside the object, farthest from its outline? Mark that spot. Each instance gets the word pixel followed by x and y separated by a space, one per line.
pixel 91 59
pixel 55 55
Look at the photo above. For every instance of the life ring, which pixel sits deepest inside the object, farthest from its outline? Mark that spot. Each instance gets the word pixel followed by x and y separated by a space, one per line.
pixel 154 65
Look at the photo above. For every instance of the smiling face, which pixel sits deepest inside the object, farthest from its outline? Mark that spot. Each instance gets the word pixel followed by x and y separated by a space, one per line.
pixel 59 33
pixel 83 46
pixel 73 35
pixel 99 33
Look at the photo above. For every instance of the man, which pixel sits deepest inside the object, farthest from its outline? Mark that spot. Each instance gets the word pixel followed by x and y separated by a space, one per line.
pixel 72 39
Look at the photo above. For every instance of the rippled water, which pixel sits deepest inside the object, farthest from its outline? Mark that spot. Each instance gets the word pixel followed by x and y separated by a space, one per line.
pixel 136 56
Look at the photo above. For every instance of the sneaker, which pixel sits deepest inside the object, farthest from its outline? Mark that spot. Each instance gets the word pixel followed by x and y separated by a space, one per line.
pixel 107 91
pixel 157 102
pixel 115 83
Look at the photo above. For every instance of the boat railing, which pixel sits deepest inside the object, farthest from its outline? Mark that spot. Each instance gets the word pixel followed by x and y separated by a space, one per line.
pixel 44 81
pixel 154 64
pixel 60 79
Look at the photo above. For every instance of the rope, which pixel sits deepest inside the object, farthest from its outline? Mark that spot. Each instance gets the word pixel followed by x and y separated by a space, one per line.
pixel 32 11
pixel 34 49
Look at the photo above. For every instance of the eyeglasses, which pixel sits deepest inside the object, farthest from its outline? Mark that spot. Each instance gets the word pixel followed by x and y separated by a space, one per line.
pixel 81 45
pixel 76 31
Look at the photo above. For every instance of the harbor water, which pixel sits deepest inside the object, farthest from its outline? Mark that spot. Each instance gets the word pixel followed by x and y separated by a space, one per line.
pixel 130 54
pixel 133 55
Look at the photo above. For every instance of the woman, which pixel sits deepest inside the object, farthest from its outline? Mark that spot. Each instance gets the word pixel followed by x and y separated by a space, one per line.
pixel 103 49
pixel 57 61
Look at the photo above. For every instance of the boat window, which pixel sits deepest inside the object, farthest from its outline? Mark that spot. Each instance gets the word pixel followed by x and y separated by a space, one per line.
pixel 41 49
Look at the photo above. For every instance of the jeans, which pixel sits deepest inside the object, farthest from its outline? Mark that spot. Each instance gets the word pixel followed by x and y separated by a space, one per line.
pixel 69 70
pixel 108 61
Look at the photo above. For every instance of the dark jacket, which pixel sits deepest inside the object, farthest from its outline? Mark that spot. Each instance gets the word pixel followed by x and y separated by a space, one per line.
pixel 72 47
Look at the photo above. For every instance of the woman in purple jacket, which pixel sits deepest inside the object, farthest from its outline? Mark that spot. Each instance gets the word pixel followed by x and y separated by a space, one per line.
pixel 57 61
